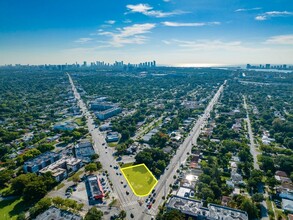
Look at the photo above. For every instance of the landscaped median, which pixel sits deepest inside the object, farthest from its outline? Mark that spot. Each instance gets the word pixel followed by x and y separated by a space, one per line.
pixel 140 179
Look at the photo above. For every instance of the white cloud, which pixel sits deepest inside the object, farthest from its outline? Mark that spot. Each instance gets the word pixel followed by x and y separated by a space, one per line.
pixel 110 22
pixel 97 32
pixel 148 11
pixel 140 8
pixel 247 9
pixel 83 40
pixel 205 45
pixel 271 14
pixel 281 39
pixel 194 24
pixel 127 21
pixel 129 35
pixel 260 18
pixel 278 13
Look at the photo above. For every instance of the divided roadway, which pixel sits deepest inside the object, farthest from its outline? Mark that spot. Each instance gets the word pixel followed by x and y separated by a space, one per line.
pixel 129 202
pixel 162 189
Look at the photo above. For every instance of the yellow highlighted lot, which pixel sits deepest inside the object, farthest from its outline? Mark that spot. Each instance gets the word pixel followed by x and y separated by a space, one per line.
pixel 140 179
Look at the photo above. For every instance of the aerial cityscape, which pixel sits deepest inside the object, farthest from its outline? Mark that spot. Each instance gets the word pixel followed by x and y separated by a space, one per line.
pixel 154 110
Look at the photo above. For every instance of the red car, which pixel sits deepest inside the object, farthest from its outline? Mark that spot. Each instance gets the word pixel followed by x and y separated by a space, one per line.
pixel 150 206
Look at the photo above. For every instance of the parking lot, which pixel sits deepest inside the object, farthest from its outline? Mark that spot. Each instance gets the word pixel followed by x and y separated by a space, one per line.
pixel 78 191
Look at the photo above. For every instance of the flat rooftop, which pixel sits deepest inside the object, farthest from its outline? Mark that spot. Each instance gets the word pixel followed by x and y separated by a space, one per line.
pixel 42 157
pixel 226 213
pixel 57 214
pixel 94 186
pixel 108 110
pixel 213 212
pixel 187 206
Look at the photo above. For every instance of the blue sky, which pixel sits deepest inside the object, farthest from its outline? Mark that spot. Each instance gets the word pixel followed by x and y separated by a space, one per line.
pixel 173 32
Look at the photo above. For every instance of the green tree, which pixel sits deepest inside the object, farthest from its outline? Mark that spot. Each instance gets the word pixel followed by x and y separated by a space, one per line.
pixel 75 178
pixel 5 176
pixel 122 214
pixel 267 163
pixel 91 167
pixel 18 184
pixel 99 165
pixel 21 216
pixel 172 215
pixel 38 188
pixel 93 214
pixel 272 182
pixel 45 147
pixel 95 156
pixel 207 193
pixel 40 207
pixel 76 134
pixel 27 155
pixel 250 208
pixel 257 197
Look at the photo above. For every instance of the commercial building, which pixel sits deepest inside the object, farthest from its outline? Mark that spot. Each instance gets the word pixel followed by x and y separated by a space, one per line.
pixel 65 126
pixel 187 206
pixel 194 208
pixel 62 168
pixel 57 214
pixel 112 137
pixel 224 212
pixel 103 115
pixel 101 106
pixel 95 189
pixel 105 127
pixel 104 109
pixel 41 161
pixel 84 150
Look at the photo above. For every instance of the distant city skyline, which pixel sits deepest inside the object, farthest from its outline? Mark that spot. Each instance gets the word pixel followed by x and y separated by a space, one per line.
pixel 172 32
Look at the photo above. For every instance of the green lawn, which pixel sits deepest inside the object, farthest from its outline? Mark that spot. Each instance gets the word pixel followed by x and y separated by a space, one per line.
pixel 4 189
pixel 10 209
pixel 140 179
pixel 113 144
pixel 61 185
pixel 127 165
pixel 79 122
pixel 78 173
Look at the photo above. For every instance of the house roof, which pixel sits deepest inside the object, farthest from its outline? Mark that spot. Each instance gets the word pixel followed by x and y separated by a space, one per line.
pixel 287 205
pixel 281 173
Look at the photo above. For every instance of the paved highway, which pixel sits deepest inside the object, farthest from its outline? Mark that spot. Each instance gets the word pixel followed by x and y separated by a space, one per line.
pixel 162 188
pixel 129 203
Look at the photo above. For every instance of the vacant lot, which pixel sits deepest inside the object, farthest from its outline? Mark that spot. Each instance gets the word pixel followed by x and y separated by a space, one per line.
pixel 140 179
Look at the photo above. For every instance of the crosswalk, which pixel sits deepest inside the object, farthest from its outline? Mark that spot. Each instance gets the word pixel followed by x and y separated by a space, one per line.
pixel 129 204
pixel 152 212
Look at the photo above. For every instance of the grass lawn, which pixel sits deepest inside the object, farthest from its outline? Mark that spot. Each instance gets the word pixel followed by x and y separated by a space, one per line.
pixel 79 122
pixel 10 209
pixel 140 179
pixel 61 185
pixel 270 208
pixel 127 165
pixel 3 190
pixel 113 144
pixel 78 173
